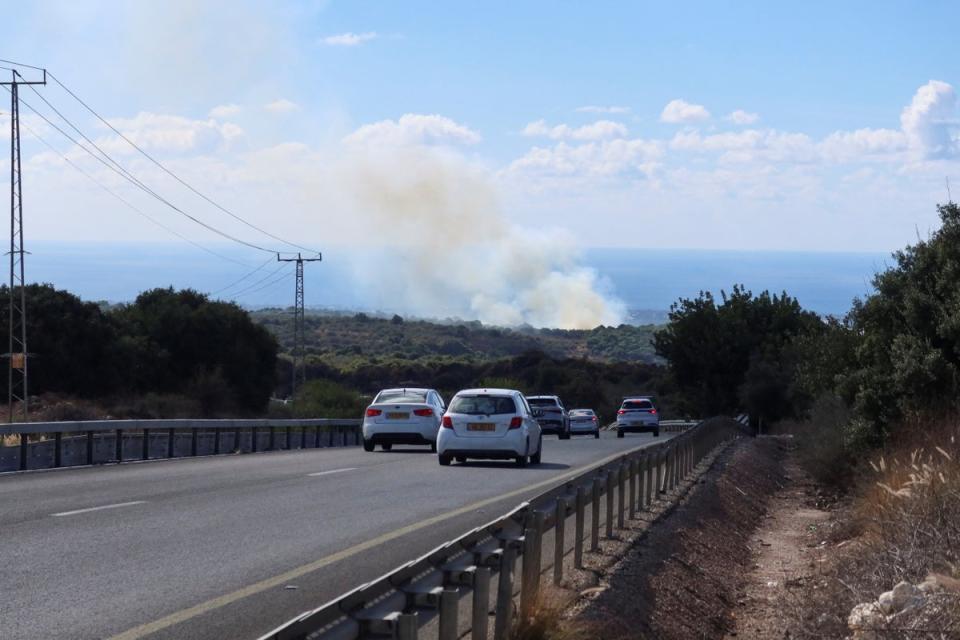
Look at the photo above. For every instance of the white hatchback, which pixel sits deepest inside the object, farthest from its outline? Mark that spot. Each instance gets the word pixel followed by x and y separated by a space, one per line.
pixel 403 416
pixel 492 424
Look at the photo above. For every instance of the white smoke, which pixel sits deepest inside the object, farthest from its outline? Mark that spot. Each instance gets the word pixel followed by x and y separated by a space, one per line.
pixel 448 250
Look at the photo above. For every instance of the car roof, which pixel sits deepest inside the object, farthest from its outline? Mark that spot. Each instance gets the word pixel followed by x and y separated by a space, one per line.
pixel 572 410
pixel 638 398
pixel 543 397
pixel 402 389
pixel 489 392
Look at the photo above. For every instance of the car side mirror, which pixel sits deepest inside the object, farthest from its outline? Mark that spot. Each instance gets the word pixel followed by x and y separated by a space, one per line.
pixel 537 413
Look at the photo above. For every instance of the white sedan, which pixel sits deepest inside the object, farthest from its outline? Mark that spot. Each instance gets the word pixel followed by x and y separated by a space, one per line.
pixel 492 424
pixel 403 416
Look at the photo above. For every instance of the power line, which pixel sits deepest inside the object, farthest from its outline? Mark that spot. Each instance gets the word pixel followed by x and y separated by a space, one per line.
pixel 20 64
pixel 128 203
pixel 172 174
pixel 241 279
pixel 251 288
pixel 133 180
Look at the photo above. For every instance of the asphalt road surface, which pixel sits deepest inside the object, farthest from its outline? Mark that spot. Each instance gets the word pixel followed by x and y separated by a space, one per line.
pixel 212 547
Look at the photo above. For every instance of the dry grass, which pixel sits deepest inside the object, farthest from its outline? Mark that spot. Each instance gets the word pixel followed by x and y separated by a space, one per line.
pixel 907 510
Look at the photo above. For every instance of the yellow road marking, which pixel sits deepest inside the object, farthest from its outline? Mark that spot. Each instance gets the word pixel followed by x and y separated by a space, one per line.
pixel 215 603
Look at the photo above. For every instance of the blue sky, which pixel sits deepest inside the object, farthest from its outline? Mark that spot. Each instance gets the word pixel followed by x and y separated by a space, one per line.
pixel 720 126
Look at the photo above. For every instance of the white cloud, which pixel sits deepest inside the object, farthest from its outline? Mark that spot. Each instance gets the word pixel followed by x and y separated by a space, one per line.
pixel 930 120
pixel 281 105
pixel 681 112
pixel 602 158
pixel 844 146
pixel 598 130
pixel 170 133
pixel 414 128
pixel 599 109
pixel 349 39
pixel 743 117
pixel 224 111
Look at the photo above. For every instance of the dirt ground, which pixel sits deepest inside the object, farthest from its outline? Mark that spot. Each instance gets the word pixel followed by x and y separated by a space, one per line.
pixel 684 577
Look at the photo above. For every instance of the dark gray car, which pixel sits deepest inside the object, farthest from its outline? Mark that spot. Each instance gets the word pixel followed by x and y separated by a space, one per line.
pixel 554 418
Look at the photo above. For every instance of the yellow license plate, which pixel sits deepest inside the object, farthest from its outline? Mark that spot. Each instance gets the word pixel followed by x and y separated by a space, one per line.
pixel 395 415
pixel 481 426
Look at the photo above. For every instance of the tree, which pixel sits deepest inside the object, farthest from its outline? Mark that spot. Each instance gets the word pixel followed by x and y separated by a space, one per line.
pixel 710 347
pixel 181 342
pixel 70 342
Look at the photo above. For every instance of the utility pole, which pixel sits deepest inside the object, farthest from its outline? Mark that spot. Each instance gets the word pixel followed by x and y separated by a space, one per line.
pixel 17 353
pixel 298 328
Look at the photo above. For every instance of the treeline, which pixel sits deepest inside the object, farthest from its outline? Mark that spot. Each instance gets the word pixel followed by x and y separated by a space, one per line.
pixel 892 360
pixel 578 381
pixel 175 349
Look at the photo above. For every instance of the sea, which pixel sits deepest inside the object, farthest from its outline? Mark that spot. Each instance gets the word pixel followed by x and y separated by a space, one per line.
pixel 648 281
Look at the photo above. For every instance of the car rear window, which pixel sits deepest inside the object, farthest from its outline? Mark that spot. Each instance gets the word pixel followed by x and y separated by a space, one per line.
pixel 580 413
pixel 542 402
pixel 402 395
pixel 483 405
pixel 638 404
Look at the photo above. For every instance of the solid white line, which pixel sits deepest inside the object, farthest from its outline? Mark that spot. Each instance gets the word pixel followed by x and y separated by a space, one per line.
pixel 324 473
pixel 101 508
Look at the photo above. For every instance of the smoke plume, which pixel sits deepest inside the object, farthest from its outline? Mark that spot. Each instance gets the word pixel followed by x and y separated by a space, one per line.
pixel 448 250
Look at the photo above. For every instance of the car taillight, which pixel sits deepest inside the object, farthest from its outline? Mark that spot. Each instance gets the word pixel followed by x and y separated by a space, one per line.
pixel 653 411
pixel 372 413
pixel 448 422
pixel 594 418
pixel 620 412
pixel 516 422
pixel 423 412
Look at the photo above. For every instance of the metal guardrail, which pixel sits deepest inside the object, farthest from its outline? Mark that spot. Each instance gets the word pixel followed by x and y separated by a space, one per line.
pixel 97 441
pixel 434 587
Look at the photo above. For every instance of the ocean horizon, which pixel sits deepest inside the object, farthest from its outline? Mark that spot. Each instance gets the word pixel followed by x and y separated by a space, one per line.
pixel 647 281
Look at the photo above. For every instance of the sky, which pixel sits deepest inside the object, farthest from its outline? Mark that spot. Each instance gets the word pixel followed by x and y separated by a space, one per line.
pixel 558 125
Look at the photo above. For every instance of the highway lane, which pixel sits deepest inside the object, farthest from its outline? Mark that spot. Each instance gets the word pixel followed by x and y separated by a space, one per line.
pixel 232 546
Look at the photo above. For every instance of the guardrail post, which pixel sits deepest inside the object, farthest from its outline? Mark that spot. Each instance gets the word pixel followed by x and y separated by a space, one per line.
pixel 662 472
pixel 449 601
pixel 119 445
pixel 303 436
pixel 24 446
pixel 558 539
pixel 609 514
pixel 407 626
pixel 595 515
pixel 272 446
pixel 89 447
pixel 481 603
pixel 651 464
pixel 194 439
pixel 633 489
pixel 330 433
pixel 504 613
pixel 578 528
pixel 145 451
pixel 316 437
pixel 621 493
pixel 530 579
pixel 289 442
pixel 216 441
pixel 58 449
pixel 171 438
pixel 253 439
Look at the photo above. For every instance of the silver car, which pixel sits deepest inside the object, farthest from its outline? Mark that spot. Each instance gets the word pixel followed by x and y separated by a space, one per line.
pixel 638 415
pixel 584 422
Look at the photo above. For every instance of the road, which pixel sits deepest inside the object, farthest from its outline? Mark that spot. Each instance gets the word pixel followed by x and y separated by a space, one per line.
pixel 230 547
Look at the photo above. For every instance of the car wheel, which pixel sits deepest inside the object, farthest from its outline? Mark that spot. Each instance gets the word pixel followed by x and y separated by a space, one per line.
pixel 368 445
pixel 619 433
pixel 656 434
pixel 461 459
pixel 596 434
pixel 433 447
pixel 535 458
pixel 386 446
pixel 444 460
pixel 521 461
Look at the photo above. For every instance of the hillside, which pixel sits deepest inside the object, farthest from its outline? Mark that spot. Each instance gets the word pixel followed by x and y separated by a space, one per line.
pixel 345 341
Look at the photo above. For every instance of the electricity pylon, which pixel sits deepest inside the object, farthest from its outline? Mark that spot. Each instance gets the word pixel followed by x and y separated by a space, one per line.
pixel 299 332
pixel 17 353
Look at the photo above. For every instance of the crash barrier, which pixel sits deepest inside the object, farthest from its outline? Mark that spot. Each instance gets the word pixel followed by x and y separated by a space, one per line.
pixel 62 444
pixel 467 585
